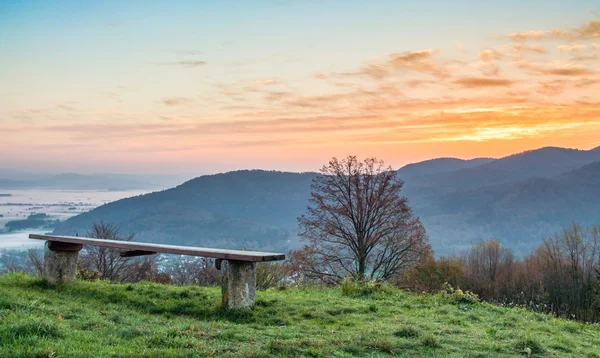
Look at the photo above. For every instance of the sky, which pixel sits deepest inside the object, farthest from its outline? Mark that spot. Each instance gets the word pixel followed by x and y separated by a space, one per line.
pixel 210 86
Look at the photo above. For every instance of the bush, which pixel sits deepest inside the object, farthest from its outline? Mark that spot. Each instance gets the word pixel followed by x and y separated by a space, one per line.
pixel 529 344
pixel 357 288
pixel 457 295
pixel 269 275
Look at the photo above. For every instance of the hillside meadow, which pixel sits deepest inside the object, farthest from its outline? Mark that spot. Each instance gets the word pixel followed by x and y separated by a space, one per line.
pixel 101 319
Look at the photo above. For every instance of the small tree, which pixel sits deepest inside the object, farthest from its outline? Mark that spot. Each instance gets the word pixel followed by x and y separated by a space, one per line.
pixel 108 262
pixel 194 271
pixel 358 224
pixel 35 262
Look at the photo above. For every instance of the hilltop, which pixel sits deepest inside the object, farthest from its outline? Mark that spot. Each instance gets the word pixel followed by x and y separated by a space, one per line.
pixel 242 209
pixel 519 199
pixel 104 319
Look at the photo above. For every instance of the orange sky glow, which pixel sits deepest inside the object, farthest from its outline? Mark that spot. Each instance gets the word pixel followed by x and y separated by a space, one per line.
pixel 522 90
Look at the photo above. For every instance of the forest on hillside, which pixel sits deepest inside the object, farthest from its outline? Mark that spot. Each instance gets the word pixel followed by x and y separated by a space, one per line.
pixel 519 200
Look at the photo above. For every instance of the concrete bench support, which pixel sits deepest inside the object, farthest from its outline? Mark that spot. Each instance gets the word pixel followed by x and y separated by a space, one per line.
pixel 238 284
pixel 60 262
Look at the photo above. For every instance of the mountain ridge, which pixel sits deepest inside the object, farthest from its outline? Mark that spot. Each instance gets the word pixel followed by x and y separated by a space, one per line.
pixel 538 191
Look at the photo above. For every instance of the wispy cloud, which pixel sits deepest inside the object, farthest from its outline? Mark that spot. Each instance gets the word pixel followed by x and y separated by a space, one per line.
pixel 482 82
pixel 177 101
pixel 589 31
pixel 190 64
pixel 417 61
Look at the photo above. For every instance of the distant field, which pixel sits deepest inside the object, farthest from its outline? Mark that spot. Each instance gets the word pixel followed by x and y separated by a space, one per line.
pixel 93 319
pixel 18 205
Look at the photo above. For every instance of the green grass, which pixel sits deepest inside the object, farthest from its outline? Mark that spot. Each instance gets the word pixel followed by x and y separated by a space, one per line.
pixel 99 319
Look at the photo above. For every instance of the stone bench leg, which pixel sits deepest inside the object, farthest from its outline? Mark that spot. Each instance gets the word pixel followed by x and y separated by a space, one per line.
pixel 238 283
pixel 60 262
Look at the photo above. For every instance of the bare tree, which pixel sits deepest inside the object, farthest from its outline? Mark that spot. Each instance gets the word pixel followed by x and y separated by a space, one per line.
pixel 10 263
pixel 34 261
pixel 570 261
pixel 488 266
pixel 358 224
pixel 194 271
pixel 108 261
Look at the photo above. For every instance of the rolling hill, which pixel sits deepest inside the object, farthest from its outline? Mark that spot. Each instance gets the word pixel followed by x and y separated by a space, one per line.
pixel 99 318
pixel 519 199
pixel 439 165
pixel 242 209
pixel 520 214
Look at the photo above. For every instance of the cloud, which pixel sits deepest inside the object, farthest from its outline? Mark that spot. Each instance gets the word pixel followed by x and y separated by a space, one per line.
pixel 552 87
pixel 556 68
pixel 572 48
pixel 415 61
pixel 531 48
pixel 585 58
pixel 589 31
pixel 269 82
pixel 184 63
pixel 535 35
pixel 568 71
pixel 587 82
pixel 490 55
pixel 188 52
pixel 482 82
pixel 177 101
pixel 195 63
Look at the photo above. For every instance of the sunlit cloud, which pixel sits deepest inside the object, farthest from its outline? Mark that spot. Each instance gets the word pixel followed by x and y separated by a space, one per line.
pixel 177 101
pixel 189 64
pixel 418 61
pixel 589 31
pixel 479 82
pixel 524 91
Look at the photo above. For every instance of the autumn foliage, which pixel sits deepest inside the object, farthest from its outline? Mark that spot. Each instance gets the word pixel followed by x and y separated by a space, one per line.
pixel 562 276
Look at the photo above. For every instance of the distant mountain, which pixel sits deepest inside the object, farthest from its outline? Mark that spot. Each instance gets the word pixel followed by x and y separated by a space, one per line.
pixel 439 165
pixel 74 181
pixel 520 213
pixel 244 209
pixel 519 199
pixel 543 163
pixel 11 184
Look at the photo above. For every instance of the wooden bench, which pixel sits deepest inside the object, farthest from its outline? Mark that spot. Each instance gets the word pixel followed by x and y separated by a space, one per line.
pixel 238 268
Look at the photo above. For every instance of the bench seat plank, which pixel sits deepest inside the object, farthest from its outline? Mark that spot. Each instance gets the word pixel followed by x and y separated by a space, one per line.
pixel 238 255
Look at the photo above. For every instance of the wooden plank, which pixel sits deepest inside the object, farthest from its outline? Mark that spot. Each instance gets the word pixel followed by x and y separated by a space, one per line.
pixel 239 255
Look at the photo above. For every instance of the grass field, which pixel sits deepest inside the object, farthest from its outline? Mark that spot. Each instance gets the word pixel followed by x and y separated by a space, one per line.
pixel 100 319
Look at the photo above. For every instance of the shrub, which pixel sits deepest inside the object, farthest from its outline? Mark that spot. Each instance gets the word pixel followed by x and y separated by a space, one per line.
pixel 529 343
pixel 269 275
pixel 457 295
pixel 357 288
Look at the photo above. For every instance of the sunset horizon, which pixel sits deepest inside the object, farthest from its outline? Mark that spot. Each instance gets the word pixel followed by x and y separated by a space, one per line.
pixel 284 85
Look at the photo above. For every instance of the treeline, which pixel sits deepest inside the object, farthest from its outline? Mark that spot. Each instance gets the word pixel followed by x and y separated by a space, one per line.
pixel 562 276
